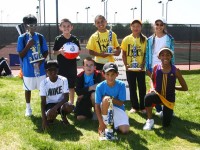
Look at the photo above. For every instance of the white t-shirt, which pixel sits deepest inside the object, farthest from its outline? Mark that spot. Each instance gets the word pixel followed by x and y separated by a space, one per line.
pixel 159 43
pixel 54 90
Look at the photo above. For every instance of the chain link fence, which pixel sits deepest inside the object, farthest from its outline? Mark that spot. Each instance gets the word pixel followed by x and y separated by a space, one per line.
pixel 187 37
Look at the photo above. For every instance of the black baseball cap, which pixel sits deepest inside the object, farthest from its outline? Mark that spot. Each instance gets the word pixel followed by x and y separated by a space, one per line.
pixel 110 66
pixel 51 64
pixel 30 19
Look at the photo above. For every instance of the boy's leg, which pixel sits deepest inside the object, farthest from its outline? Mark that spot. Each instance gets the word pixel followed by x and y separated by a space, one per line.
pixel 150 99
pixel 71 95
pixel 65 109
pixel 131 78
pixel 121 121
pixel 167 116
pixel 141 87
pixel 83 108
pixel 28 105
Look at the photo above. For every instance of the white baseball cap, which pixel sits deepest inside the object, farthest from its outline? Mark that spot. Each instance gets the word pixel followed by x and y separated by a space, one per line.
pixel 162 20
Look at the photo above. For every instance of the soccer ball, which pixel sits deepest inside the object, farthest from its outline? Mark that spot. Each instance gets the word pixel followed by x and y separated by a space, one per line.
pixel 71 50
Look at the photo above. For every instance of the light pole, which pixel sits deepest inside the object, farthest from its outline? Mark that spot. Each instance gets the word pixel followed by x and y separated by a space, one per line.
pixel 44 12
pixel 133 9
pixel 115 17
pixel 87 12
pixel 39 12
pixel 105 8
pixel 160 2
pixel 167 7
pixel 77 16
pixel 141 10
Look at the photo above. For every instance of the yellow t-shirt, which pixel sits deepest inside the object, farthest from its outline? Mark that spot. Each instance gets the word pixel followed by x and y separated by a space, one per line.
pixel 98 42
pixel 127 46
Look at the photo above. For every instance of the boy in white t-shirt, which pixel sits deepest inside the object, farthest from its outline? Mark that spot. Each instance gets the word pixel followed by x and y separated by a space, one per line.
pixel 54 94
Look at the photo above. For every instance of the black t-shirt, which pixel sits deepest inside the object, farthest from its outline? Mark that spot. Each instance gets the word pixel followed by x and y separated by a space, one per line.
pixel 66 65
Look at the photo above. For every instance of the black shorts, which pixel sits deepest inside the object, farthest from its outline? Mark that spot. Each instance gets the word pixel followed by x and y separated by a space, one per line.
pixel 71 77
pixel 84 107
pixel 51 105
pixel 153 98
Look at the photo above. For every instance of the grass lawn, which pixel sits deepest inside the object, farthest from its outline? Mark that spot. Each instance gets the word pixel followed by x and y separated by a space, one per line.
pixel 18 132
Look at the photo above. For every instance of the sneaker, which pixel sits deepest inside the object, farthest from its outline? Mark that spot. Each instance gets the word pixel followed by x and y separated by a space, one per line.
pixel 159 114
pixel 149 124
pixel 132 111
pixel 28 112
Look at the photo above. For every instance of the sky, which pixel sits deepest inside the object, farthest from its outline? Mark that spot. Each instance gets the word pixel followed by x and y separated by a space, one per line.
pixel 179 11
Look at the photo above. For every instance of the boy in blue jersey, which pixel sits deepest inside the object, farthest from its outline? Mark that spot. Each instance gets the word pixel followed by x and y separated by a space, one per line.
pixel 27 44
pixel 115 89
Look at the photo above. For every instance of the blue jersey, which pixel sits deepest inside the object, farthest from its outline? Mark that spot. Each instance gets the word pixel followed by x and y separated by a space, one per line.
pixel 118 91
pixel 27 67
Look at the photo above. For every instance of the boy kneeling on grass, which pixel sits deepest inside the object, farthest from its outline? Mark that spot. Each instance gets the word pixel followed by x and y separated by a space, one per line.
pixel 163 88
pixel 114 89
pixel 54 94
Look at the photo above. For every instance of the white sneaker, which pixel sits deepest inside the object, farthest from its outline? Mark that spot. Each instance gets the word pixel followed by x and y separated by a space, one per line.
pixel 28 112
pixel 159 114
pixel 149 124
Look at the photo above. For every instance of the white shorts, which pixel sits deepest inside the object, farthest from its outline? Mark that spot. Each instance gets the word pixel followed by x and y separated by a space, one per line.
pixel 120 117
pixel 32 83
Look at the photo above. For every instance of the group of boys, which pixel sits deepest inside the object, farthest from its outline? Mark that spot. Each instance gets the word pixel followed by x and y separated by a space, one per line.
pixel 91 90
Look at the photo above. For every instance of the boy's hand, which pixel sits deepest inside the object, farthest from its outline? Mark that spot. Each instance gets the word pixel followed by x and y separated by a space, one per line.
pixel 61 51
pixel 30 43
pixel 45 125
pixel 101 128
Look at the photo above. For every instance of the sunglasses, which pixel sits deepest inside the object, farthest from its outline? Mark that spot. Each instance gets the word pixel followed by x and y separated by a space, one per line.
pixel 32 25
pixel 159 24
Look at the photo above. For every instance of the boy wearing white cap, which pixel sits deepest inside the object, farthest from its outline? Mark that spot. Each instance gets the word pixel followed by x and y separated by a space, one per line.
pixel 163 88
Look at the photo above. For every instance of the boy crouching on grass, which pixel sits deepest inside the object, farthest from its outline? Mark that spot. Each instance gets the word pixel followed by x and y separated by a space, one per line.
pixel 163 88
pixel 54 94
pixel 113 89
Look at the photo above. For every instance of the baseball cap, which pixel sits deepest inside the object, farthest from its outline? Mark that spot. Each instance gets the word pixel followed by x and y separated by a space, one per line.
pixel 51 64
pixel 110 66
pixel 30 19
pixel 162 20
pixel 166 49
pixel 136 21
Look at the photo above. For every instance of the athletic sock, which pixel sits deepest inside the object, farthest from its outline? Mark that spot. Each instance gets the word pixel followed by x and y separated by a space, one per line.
pixel 28 105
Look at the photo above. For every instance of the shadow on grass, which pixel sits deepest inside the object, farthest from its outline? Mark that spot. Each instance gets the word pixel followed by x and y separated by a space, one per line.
pixel 57 130
pixel 183 129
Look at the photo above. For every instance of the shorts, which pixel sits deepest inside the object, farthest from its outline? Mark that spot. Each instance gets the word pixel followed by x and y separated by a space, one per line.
pixel 71 77
pixel 84 107
pixel 51 105
pixel 152 99
pixel 32 83
pixel 120 117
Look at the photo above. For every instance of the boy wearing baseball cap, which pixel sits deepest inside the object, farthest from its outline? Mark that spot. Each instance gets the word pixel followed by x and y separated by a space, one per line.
pixel 111 89
pixel 54 94
pixel 163 88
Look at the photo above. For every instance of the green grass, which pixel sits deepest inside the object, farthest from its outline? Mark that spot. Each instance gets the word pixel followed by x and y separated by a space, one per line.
pixel 19 132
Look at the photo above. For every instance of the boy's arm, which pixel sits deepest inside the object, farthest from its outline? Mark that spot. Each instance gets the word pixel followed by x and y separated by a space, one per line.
pixel 44 117
pixel 102 126
pixel 183 85
pixel 118 51
pixel 30 43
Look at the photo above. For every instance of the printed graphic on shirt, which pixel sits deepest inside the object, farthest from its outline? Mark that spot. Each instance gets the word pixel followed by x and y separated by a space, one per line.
pixel 55 91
